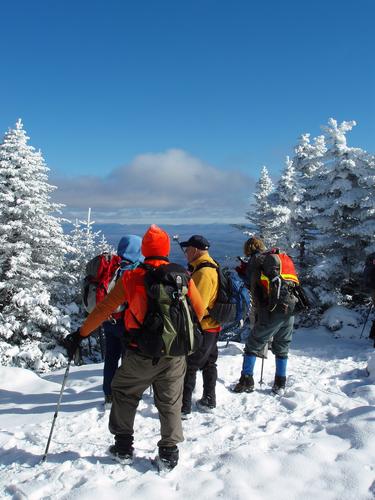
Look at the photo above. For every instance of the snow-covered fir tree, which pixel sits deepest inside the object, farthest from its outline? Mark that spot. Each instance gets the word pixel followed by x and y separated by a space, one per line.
pixel 344 213
pixel 308 163
pixel 32 249
pixel 283 203
pixel 260 214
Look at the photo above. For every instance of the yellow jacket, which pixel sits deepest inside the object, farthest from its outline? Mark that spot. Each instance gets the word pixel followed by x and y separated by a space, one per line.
pixel 207 282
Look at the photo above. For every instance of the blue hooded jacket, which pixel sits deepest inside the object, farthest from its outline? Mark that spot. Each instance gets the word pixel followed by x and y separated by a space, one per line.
pixel 129 249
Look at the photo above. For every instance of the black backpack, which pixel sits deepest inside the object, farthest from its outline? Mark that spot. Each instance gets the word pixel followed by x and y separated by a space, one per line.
pixel 279 288
pixel 233 298
pixel 369 271
pixel 170 327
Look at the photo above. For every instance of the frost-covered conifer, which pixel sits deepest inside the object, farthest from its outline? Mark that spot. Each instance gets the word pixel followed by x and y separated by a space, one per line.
pixel 283 207
pixel 260 214
pixel 366 228
pixel 344 211
pixel 32 248
pixel 307 162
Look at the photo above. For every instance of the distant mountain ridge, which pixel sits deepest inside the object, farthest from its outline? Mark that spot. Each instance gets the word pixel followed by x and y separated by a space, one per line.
pixel 226 240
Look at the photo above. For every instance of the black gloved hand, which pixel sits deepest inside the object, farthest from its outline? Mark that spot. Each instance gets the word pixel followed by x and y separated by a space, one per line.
pixel 241 269
pixel 71 343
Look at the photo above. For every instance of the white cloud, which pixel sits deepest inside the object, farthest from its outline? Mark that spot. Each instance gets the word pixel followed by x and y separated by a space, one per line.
pixel 169 183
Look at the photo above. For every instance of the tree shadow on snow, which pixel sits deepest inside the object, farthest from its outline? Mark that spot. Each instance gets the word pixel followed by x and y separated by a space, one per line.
pixel 46 403
pixel 71 402
pixel 355 373
pixel 356 378
pixel 23 457
pixel 74 375
pixel 321 344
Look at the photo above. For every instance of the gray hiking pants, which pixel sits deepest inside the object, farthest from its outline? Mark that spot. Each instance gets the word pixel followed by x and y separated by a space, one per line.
pixel 132 378
pixel 277 326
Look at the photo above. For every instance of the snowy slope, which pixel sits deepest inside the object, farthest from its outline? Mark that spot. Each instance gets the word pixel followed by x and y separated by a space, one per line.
pixel 317 442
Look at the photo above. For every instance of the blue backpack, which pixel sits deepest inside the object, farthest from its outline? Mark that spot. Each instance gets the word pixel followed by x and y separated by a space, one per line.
pixel 233 299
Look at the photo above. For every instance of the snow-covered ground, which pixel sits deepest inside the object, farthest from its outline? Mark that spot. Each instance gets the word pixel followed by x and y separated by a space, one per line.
pixel 317 442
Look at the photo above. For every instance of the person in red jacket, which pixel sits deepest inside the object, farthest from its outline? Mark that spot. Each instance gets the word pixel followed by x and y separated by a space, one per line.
pixel 138 371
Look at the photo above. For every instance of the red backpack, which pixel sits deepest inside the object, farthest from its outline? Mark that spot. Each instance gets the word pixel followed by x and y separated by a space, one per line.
pixel 101 274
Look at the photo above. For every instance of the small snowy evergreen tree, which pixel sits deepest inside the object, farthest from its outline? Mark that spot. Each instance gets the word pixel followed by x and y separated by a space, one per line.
pixel 283 208
pixel 32 249
pixel 260 214
pixel 308 163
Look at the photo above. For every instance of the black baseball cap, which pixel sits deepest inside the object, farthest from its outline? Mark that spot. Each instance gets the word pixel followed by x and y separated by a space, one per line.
pixel 197 241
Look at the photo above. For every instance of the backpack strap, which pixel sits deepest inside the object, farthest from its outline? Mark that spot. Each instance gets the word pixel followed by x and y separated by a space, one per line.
pixel 135 318
pixel 201 266
pixel 146 267
pixel 205 264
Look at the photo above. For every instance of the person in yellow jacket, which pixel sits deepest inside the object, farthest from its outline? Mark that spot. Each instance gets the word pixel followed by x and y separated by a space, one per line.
pixel 207 282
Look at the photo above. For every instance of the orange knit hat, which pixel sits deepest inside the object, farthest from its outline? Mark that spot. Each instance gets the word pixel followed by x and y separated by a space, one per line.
pixel 156 242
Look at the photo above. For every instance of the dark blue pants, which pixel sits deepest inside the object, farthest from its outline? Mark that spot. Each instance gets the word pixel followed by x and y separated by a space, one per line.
pixel 114 342
pixel 203 359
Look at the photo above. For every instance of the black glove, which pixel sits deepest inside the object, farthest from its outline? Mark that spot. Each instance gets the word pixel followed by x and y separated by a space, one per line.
pixel 71 343
pixel 241 269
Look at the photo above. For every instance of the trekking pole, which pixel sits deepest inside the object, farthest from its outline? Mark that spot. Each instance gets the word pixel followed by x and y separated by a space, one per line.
pixel 90 348
pixel 367 317
pixel 261 373
pixel 176 238
pixel 101 342
pixel 265 352
pixel 57 410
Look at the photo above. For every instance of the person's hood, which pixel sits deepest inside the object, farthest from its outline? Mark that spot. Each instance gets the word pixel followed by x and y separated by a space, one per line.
pixel 156 242
pixel 129 248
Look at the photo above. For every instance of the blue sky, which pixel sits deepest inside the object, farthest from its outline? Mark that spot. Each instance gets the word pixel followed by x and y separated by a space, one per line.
pixel 222 86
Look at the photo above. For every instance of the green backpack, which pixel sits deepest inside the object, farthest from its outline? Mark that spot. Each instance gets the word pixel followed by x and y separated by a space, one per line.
pixel 170 327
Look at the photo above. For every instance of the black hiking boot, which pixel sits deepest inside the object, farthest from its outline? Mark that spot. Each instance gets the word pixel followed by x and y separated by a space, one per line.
pixel 186 404
pixel 207 402
pixel 185 412
pixel 168 458
pixel 122 450
pixel 108 401
pixel 279 385
pixel 245 384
